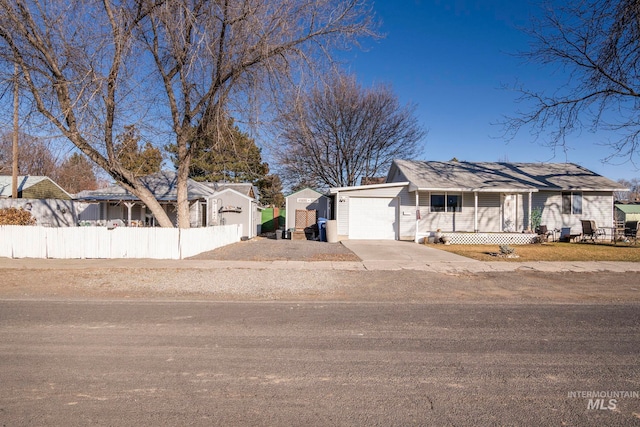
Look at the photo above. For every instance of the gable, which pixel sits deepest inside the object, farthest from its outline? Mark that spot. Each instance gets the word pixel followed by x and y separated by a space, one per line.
pixel 305 193
pixel 45 189
pixel 33 187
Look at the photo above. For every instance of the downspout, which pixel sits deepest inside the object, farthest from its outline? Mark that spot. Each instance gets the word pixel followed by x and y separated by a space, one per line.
pixel 417 216
pixel 286 216
pixel 475 211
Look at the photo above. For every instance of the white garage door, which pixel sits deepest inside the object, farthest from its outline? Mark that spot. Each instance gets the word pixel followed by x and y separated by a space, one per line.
pixel 373 218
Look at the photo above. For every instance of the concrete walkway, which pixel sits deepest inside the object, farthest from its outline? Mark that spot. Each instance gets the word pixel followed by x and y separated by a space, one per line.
pixel 398 255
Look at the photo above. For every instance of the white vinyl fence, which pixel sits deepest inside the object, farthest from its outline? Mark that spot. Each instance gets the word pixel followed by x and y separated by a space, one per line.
pixel 120 242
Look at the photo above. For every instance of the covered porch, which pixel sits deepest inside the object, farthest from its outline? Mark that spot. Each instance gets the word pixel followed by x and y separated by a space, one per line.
pixel 475 216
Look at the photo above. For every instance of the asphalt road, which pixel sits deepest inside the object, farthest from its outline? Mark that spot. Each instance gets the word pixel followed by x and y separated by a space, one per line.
pixel 77 363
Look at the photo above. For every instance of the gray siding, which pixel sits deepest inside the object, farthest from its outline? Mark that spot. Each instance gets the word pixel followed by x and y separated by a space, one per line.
pixel 306 199
pixel 230 198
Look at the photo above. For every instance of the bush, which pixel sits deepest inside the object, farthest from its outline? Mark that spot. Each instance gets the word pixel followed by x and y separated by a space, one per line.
pixel 15 216
pixel 507 250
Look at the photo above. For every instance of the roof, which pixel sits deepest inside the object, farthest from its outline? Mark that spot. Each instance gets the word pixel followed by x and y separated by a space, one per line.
pixel 498 176
pixel 24 182
pixel 245 188
pixel 163 185
pixel 231 190
pixel 335 190
pixel 629 209
pixel 306 189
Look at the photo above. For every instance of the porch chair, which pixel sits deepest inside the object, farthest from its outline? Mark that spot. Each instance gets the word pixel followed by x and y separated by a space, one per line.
pixel 590 230
pixel 631 231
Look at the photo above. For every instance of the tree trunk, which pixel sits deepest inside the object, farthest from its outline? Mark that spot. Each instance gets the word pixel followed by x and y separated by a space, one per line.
pixel 16 127
pixel 184 161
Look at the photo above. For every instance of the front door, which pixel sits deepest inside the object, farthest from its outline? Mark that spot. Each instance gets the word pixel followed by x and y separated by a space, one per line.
pixel 509 211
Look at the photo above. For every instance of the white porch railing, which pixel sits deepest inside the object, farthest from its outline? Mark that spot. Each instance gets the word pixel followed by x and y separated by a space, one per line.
pixel 120 242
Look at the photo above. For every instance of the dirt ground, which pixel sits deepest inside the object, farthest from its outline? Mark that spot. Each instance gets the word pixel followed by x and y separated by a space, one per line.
pixel 266 249
pixel 210 281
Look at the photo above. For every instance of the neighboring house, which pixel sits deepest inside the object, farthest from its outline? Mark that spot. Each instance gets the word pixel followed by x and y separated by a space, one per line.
pixel 115 204
pixel 48 203
pixel 306 199
pixel 419 198
pixel 33 187
pixel 207 205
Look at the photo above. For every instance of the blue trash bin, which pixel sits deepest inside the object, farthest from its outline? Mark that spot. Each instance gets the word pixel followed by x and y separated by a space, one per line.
pixel 322 227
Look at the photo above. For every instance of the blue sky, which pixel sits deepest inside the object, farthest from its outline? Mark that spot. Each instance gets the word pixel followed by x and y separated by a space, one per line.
pixel 453 59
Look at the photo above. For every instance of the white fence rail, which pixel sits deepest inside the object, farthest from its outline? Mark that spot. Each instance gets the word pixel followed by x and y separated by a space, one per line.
pixel 120 242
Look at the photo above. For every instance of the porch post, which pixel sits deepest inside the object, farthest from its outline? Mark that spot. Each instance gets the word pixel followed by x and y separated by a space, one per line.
pixel 129 205
pixel 475 211
pixel 530 221
pixel 417 215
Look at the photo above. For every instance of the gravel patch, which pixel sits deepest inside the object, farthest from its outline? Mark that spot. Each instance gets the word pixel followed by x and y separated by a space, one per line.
pixel 264 249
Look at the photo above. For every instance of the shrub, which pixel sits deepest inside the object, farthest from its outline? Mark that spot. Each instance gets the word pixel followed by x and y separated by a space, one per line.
pixel 15 216
pixel 507 250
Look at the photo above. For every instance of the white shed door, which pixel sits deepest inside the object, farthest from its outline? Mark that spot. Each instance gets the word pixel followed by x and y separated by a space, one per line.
pixel 373 218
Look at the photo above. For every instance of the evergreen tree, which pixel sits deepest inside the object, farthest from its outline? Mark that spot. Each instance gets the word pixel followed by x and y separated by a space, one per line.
pixel 271 191
pixel 226 154
pixel 141 159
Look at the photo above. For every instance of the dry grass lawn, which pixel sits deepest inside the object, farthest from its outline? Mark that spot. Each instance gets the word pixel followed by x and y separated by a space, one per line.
pixel 551 252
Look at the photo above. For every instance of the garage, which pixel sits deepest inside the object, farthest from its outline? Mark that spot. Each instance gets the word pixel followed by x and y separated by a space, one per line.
pixel 373 218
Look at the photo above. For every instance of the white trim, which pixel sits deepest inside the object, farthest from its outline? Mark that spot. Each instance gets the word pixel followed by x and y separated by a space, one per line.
pixel 481 190
pixel 336 190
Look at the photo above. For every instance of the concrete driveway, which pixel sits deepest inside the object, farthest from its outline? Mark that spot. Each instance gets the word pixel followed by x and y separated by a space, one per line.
pixel 397 255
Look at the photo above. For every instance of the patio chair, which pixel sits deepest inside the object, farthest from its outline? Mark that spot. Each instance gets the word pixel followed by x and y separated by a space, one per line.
pixel 590 230
pixel 631 231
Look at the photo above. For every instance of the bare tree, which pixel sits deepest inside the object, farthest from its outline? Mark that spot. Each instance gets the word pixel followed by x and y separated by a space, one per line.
pixel 84 61
pixel 632 195
pixel 76 174
pixel 340 132
pixel 597 44
pixel 72 55
pixel 211 54
pixel 35 155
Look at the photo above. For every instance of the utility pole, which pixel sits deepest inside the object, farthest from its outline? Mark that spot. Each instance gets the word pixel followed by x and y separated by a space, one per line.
pixel 14 178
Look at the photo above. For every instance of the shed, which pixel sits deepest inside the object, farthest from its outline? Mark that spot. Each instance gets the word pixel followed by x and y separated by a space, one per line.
pixel 306 199
pixel 627 212
pixel 233 207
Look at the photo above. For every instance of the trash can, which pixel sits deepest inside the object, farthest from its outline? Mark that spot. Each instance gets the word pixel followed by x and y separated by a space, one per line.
pixel 322 226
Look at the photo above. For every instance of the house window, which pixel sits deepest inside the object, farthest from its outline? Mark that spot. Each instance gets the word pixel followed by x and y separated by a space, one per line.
pixel 437 203
pixel 454 203
pixel 571 203
pixel 446 203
